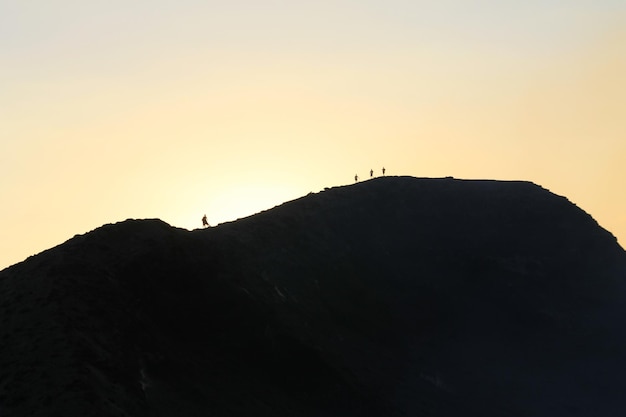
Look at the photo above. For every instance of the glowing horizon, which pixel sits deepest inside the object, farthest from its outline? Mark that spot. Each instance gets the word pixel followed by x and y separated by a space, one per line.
pixel 112 111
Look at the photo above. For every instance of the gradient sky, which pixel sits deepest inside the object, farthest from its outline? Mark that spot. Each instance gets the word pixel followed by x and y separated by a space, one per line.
pixel 171 109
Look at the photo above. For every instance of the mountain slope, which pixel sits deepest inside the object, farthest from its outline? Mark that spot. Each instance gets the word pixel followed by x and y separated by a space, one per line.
pixel 392 297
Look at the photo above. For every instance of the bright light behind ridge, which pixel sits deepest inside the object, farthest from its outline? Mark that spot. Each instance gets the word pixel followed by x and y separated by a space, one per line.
pixel 112 110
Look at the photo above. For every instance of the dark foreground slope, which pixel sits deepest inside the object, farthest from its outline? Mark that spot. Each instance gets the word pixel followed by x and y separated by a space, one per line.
pixel 392 297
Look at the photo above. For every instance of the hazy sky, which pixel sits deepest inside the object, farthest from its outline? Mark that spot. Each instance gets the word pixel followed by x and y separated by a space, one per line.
pixel 171 109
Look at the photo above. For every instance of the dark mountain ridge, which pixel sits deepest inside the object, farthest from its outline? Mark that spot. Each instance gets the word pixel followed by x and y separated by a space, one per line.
pixel 392 297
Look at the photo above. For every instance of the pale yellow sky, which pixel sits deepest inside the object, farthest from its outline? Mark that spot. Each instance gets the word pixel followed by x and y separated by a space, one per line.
pixel 114 110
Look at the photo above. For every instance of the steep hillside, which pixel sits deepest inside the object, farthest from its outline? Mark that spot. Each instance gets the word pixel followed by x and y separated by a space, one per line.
pixel 392 297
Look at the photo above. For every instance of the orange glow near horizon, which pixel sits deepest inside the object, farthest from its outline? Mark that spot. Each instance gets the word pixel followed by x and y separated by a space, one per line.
pixel 110 112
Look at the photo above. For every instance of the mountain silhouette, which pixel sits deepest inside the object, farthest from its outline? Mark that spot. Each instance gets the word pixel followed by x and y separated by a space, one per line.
pixel 391 297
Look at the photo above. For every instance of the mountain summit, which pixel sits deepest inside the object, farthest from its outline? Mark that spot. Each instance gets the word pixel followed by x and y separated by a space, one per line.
pixel 391 297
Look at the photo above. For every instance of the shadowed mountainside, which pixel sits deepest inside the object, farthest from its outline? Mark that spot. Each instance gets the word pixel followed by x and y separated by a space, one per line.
pixel 392 297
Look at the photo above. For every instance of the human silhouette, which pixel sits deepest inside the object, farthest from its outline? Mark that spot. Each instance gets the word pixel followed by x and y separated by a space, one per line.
pixel 371 173
pixel 205 222
pixel 356 178
pixel 383 170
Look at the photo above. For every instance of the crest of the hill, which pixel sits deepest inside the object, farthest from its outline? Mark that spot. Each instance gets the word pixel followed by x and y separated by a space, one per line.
pixel 390 297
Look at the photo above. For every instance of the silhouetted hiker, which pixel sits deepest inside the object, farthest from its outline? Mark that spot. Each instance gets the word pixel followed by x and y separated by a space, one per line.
pixel 205 223
pixel 356 178
pixel 383 170
pixel 371 173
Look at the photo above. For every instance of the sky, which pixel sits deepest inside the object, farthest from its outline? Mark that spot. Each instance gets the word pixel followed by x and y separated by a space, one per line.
pixel 173 109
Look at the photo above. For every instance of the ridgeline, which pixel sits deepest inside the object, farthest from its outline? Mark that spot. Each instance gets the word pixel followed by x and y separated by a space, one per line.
pixel 392 297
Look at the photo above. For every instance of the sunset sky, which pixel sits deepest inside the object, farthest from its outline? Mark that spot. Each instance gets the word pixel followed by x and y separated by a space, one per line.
pixel 172 109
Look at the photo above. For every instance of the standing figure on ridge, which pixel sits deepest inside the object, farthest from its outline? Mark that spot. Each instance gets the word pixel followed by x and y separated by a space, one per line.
pixel 371 173
pixel 383 170
pixel 205 222
pixel 356 178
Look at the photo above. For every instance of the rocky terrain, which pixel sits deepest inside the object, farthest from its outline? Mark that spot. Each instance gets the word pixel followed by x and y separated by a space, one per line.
pixel 392 297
